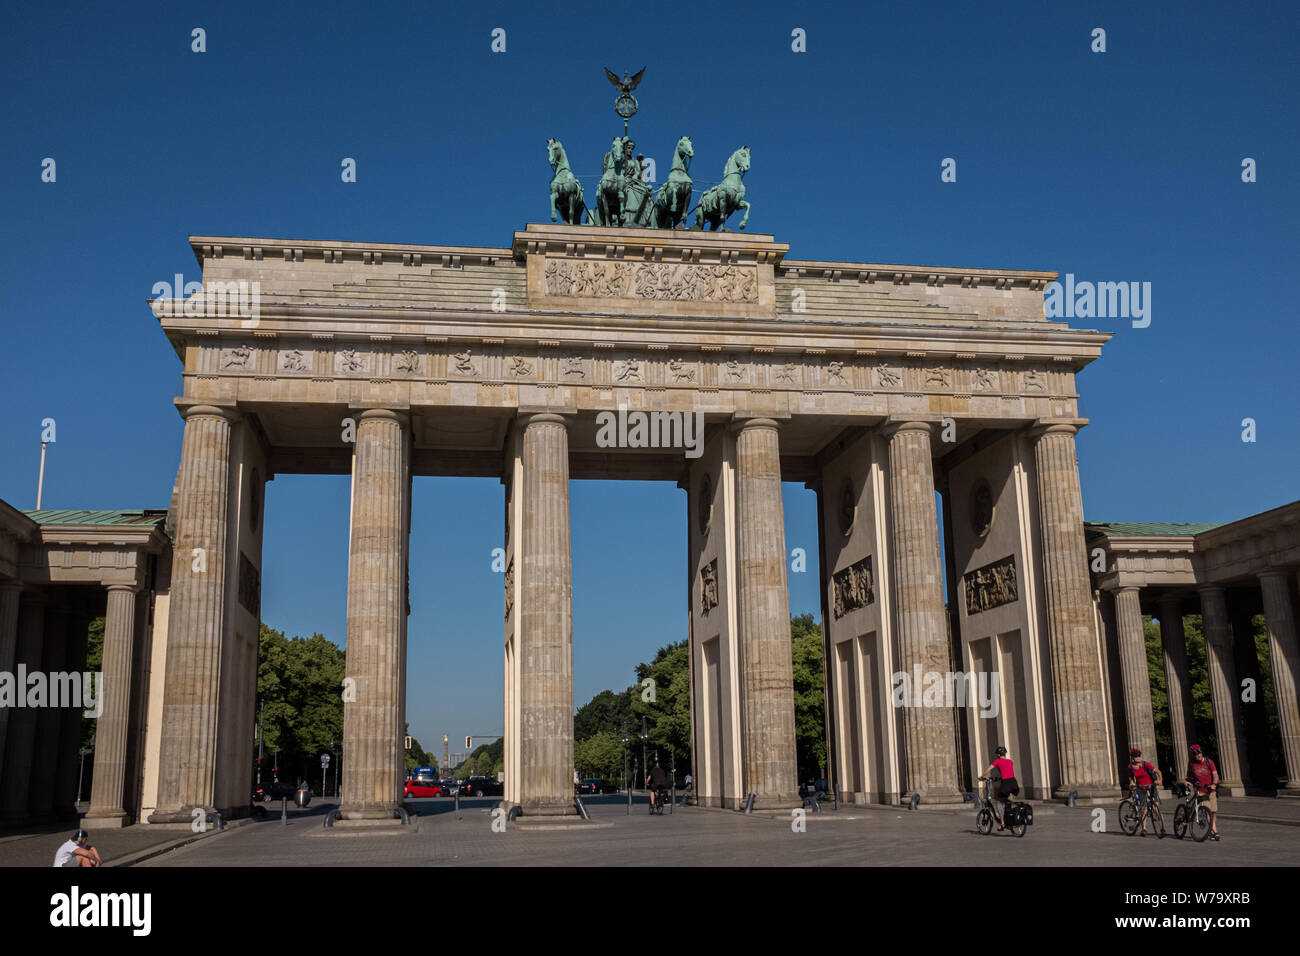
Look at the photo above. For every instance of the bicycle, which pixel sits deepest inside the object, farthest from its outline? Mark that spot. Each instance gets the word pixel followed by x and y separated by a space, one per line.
pixel 660 798
pixel 1018 817
pixel 1191 814
pixel 1133 809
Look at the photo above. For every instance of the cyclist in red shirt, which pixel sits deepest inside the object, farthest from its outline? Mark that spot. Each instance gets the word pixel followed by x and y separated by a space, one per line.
pixel 1204 776
pixel 1145 778
pixel 1006 773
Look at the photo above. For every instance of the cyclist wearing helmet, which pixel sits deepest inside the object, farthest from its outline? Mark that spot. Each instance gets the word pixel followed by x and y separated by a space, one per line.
pixel 1145 778
pixel 1203 775
pixel 1006 774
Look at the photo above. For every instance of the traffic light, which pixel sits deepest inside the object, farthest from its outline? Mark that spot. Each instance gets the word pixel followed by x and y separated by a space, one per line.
pixel 468 744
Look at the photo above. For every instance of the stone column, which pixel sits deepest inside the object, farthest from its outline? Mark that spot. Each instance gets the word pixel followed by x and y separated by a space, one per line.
pixel 1137 676
pixel 188 748
pixel 10 594
pixel 14 788
pixel 1224 690
pixel 1085 758
pixel 372 719
pixel 1284 655
pixel 111 729
pixel 930 747
pixel 1178 681
pixel 69 770
pixel 45 759
pixel 766 670
pixel 546 621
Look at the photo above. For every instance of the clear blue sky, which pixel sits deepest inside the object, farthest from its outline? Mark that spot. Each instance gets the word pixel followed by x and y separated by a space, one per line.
pixel 1122 166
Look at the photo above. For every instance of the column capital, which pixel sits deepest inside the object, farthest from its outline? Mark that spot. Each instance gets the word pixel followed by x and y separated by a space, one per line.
pixel 207 408
pixel 1167 599
pixel 1123 588
pixel 1047 426
pixel 1211 589
pixel 15 586
pixel 1273 573
pixel 401 416
pixel 740 423
pixel 133 588
pixel 893 426
pixel 529 419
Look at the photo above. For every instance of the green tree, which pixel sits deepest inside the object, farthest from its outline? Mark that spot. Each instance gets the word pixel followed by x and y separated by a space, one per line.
pixel 299 680
pixel 809 695
pixel 600 755
pixel 665 703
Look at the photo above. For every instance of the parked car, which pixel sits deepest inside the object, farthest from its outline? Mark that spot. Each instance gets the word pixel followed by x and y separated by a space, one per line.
pixel 274 791
pixel 450 787
pixel 482 787
pixel 595 785
pixel 422 788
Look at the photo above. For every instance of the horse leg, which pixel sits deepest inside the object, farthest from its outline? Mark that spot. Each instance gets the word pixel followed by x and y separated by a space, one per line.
pixel 745 206
pixel 553 215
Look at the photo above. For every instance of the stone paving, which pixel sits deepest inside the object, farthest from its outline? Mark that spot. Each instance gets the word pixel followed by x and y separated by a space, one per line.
pixel 867 836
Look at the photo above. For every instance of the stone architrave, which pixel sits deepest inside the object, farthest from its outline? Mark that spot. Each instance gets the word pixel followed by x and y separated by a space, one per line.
pixel 10 595
pixel 929 736
pixel 1284 655
pixel 1178 681
pixel 111 730
pixel 14 788
pixel 546 621
pixel 1231 758
pixel 188 747
pixel 1133 667
pixel 374 704
pixel 767 681
pixel 1083 750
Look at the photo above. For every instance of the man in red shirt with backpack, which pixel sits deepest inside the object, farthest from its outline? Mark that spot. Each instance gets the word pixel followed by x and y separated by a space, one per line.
pixel 1145 779
pixel 1204 776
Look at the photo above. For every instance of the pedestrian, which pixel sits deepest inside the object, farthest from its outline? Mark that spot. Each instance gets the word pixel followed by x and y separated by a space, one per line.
pixel 1204 776
pixel 77 852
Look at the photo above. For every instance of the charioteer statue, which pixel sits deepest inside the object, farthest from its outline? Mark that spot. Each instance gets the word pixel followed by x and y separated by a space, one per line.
pixel 623 197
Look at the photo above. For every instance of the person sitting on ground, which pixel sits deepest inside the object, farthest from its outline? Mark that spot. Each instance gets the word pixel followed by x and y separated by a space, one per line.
pixel 1204 776
pixel 1005 772
pixel 77 852
pixel 657 781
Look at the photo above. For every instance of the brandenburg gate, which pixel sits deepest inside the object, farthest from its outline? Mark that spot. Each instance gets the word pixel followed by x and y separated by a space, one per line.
pixel 876 385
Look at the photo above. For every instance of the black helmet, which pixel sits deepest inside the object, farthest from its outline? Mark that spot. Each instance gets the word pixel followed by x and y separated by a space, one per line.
pixel 1135 752
pixel 1001 751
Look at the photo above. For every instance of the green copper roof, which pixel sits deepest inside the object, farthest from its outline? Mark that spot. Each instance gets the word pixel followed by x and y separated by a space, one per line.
pixel 137 517
pixel 1154 529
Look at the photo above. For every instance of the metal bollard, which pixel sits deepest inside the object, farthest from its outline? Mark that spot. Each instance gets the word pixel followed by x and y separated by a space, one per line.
pixel 749 803
pixel 284 811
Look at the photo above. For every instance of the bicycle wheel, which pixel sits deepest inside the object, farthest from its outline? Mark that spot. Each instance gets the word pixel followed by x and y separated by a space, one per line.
pixel 1129 817
pixel 1019 829
pixel 1157 821
pixel 1180 821
pixel 984 821
pixel 1201 824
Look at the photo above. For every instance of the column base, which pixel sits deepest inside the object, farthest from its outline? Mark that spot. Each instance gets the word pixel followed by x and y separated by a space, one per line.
pixel 781 800
pixel 369 811
pixel 105 820
pixel 1088 793
pixel 176 814
pixel 934 798
pixel 1232 788
pixel 543 807
pixel 1291 790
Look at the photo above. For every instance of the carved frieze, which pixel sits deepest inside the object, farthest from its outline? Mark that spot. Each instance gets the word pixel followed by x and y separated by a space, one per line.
pixel 991 586
pixel 657 281
pixel 853 587
pixel 510 587
pixel 295 360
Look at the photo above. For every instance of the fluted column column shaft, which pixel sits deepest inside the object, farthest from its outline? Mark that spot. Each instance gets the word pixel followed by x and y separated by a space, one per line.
pixel 10 595
pixel 22 723
pixel 372 722
pixel 767 680
pixel 1224 688
pixel 1178 682
pixel 546 620
pixel 111 730
pixel 928 732
pixel 188 748
pixel 1284 655
pixel 45 759
pixel 1137 676
pixel 1082 745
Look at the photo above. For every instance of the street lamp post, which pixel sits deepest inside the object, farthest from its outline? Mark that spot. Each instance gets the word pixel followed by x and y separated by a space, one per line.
pixel 626 782
pixel 82 774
